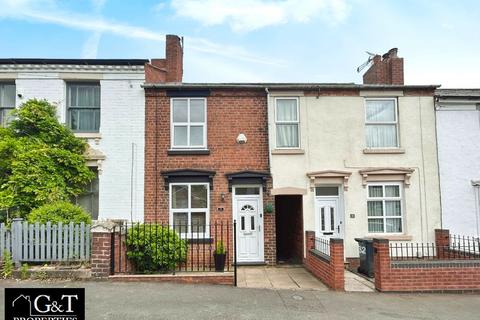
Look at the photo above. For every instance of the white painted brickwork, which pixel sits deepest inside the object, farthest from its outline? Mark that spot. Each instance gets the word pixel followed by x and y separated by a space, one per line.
pixel 121 126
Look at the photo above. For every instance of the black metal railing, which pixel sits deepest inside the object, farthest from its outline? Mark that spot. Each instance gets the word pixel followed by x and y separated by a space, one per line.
pixel 458 248
pixel 322 245
pixel 146 248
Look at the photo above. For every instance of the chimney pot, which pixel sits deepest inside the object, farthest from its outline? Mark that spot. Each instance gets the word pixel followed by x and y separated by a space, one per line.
pixel 385 69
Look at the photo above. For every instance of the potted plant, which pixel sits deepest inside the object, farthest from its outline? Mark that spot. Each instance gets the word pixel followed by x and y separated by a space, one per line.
pixel 219 256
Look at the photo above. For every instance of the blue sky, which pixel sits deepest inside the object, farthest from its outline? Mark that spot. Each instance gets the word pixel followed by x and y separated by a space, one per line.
pixel 256 40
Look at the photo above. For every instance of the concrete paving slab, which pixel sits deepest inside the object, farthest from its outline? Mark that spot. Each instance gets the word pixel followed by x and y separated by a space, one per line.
pixel 356 283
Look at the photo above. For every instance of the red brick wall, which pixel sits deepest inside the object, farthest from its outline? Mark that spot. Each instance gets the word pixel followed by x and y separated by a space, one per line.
pixel 386 69
pixel 101 253
pixel 229 112
pixel 441 275
pixel 331 272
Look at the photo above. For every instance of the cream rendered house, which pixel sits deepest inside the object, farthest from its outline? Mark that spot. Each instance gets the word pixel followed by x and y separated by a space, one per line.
pixel 352 161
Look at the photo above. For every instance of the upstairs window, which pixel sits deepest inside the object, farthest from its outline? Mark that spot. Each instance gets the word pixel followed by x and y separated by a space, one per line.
pixel 188 123
pixel 286 123
pixel 7 102
pixel 83 103
pixel 381 123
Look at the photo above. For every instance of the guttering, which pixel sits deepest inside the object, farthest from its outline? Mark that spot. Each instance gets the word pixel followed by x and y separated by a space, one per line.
pixel 91 62
pixel 274 86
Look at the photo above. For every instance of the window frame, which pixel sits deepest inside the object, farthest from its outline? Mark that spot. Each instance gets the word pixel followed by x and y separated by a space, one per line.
pixel 189 234
pixel 90 193
pixel 277 122
pixel 69 85
pixel 384 198
pixel 188 124
pixel 3 123
pixel 371 123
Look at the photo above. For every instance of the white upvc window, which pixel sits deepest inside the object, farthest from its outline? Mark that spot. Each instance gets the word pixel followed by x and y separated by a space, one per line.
pixel 381 123
pixel 190 209
pixel 385 207
pixel 7 102
pixel 287 120
pixel 188 123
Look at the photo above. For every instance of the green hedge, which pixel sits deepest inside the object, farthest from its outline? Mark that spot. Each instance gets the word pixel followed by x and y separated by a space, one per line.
pixel 154 248
pixel 60 211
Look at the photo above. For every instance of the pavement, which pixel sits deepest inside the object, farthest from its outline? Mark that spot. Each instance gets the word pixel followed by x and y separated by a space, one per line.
pixel 147 300
pixel 357 283
pixel 285 277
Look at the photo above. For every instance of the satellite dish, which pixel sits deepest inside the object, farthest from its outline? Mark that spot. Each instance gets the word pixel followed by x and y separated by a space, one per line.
pixel 366 63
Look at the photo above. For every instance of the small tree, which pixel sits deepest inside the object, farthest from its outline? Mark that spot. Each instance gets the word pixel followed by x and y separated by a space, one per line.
pixel 41 160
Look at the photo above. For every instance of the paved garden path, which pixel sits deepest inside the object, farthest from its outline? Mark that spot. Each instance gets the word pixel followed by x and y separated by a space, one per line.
pixel 134 301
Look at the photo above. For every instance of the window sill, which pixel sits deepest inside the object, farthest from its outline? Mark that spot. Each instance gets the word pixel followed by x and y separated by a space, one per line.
pixel 199 240
pixel 383 151
pixel 88 135
pixel 288 151
pixel 393 237
pixel 186 152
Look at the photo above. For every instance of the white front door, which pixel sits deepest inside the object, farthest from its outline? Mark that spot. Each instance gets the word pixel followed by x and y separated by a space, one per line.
pixel 329 222
pixel 249 229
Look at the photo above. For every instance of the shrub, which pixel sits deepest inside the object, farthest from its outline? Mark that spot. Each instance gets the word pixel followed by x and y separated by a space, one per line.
pixel 24 272
pixel 7 265
pixel 154 248
pixel 220 248
pixel 60 211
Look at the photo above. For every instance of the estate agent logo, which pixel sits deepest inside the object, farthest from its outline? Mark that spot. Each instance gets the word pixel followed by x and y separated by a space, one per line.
pixel 44 304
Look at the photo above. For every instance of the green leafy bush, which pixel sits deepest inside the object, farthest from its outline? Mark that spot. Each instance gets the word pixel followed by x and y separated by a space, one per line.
pixel 24 271
pixel 41 160
pixel 60 211
pixel 154 248
pixel 7 265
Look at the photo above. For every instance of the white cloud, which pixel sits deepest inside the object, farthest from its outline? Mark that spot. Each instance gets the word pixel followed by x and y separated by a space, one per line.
pixel 47 11
pixel 90 46
pixel 248 15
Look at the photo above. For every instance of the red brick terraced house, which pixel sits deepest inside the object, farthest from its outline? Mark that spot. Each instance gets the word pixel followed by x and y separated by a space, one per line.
pixel 207 162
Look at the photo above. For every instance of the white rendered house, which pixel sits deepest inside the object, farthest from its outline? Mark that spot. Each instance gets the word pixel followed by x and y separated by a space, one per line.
pixel 103 102
pixel 458 131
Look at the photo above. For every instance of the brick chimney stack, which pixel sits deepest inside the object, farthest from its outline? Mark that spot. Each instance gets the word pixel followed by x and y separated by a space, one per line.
pixel 169 69
pixel 386 69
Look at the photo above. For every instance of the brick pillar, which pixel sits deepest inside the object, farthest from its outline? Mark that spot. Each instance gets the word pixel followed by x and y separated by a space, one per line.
pixel 101 248
pixel 381 254
pixel 337 264
pixel 442 242
pixel 310 240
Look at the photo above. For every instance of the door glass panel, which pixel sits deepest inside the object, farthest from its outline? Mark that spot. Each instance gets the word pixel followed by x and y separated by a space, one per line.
pixel 242 223
pixel 322 218
pixel 247 191
pixel 326 191
pixel 332 218
pixel 252 223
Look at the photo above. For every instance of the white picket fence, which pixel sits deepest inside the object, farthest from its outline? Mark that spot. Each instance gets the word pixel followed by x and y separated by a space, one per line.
pixel 45 242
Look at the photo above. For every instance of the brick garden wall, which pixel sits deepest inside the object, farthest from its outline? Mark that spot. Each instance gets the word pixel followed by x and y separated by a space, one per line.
pixel 328 269
pixel 229 112
pixel 424 275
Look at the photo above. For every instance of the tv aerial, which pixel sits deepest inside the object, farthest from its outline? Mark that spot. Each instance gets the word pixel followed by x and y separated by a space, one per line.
pixel 366 63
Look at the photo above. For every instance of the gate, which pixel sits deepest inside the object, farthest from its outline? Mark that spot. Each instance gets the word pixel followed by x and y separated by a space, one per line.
pixel 153 248
pixel 50 242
